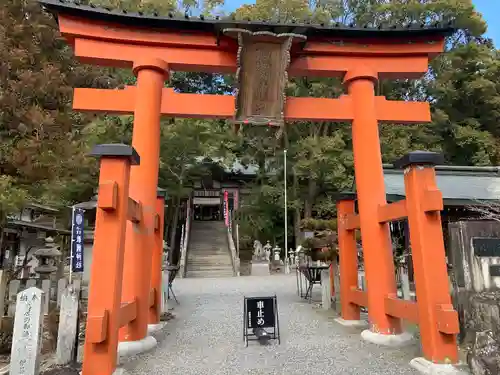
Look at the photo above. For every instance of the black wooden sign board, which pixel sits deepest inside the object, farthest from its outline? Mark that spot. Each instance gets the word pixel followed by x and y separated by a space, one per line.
pixel 495 270
pixel 260 312
pixel 486 247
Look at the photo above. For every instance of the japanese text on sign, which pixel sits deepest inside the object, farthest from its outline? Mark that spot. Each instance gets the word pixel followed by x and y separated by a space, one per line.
pixel 77 240
pixel 260 313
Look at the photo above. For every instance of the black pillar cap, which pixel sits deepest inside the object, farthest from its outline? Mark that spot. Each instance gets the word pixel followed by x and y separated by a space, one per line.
pixel 161 193
pixel 345 196
pixel 419 157
pixel 116 150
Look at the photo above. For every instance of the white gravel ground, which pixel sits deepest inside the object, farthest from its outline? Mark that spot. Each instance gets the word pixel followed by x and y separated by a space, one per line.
pixel 206 336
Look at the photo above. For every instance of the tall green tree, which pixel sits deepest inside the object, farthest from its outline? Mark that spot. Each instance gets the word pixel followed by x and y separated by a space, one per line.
pixel 37 125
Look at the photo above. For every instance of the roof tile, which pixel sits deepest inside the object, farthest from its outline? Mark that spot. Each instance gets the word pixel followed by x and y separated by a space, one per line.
pixel 216 24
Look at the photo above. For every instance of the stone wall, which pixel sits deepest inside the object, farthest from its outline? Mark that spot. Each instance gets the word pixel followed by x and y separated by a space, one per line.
pixel 245 268
pixel 482 324
pixel 475 293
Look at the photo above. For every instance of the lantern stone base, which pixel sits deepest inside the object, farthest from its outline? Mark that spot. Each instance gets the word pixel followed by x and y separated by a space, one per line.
pixel 394 341
pixel 130 348
pixel 427 367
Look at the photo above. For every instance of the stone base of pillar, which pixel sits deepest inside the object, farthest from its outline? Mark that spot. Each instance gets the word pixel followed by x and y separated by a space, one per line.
pixel 118 371
pixel 427 367
pixel 395 341
pixel 153 328
pixel 352 323
pixel 127 349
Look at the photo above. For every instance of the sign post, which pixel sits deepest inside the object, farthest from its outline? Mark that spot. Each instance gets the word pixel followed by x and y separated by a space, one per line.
pixel 260 313
pixel 77 224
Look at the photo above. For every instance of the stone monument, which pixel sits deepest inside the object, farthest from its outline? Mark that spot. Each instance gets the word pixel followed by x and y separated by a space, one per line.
pixel 27 335
pixel 68 320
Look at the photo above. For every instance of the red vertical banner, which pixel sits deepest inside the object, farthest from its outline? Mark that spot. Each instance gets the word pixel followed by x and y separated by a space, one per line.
pixel 226 208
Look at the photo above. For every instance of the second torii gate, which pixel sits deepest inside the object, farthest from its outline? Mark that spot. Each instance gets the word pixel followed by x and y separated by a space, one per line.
pixel 263 56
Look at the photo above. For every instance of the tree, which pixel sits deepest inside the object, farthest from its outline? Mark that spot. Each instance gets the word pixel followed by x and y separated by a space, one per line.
pixel 37 126
pixel 466 102
pixel 462 86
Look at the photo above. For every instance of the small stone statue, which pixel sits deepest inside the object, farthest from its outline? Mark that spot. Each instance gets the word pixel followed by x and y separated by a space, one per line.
pixel 267 250
pixel 258 253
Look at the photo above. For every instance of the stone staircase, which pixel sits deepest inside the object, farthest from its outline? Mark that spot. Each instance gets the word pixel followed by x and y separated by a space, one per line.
pixel 208 253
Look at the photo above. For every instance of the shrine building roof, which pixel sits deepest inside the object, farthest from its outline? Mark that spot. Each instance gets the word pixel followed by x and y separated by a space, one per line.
pixel 460 185
pixel 217 25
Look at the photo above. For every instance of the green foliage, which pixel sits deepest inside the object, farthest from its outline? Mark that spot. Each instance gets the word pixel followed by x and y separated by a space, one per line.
pixel 318 224
pixel 11 196
pixel 40 155
pixel 43 153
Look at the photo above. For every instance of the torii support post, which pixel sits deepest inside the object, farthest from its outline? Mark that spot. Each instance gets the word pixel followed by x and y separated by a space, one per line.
pixel 156 267
pixel 351 298
pixel 370 188
pixel 103 321
pixel 151 75
pixel 437 319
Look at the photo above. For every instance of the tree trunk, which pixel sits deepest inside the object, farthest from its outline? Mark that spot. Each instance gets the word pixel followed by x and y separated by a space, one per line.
pixel 311 195
pixel 296 211
pixel 311 184
pixel 173 229
pixel 295 194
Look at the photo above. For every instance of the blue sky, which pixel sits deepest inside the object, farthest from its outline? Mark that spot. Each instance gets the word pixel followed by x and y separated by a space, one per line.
pixel 489 8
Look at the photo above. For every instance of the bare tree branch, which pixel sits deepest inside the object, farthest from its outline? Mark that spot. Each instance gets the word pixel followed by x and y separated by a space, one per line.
pixel 486 210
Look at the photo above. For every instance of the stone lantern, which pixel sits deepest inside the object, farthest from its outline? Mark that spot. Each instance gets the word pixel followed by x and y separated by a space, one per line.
pixel 291 257
pixel 47 257
pixel 300 255
pixel 277 253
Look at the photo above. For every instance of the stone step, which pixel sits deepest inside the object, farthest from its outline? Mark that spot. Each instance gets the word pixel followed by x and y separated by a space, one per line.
pixel 207 244
pixel 197 264
pixel 226 263
pixel 210 269
pixel 208 253
pixel 209 274
pixel 201 264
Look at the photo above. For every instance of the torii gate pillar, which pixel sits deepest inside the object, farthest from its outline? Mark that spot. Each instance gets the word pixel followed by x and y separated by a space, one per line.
pixel 369 175
pixel 139 238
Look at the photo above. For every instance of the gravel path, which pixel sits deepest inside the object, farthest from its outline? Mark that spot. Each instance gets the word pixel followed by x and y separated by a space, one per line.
pixel 206 336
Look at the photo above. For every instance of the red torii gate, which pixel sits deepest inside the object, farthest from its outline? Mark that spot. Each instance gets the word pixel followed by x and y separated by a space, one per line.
pixel 125 245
